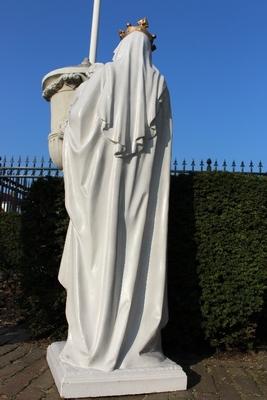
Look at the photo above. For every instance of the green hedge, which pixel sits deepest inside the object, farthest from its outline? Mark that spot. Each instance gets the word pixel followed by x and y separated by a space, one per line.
pixel 184 328
pixel 10 244
pixel 217 259
pixel 231 238
pixel 43 228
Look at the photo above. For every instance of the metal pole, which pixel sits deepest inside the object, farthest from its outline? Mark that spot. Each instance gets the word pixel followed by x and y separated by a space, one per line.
pixel 94 31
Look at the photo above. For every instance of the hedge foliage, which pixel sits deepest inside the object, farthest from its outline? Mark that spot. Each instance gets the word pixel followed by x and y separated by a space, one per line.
pixel 43 228
pixel 184 327
pixel 217 259
pixel 231 239
pixel 10 244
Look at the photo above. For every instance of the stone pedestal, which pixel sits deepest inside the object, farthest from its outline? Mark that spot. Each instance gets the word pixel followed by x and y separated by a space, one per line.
pixel 80 382
pixel 58 88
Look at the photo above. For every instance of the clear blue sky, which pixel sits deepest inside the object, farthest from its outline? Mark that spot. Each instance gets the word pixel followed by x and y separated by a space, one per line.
pixel 213 54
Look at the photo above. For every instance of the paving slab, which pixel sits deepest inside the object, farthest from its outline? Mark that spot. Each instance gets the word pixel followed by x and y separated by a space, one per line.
pixel 24 375
pixel 15 354
pixel 206 382
pixel 206 396
pixel 17 383
pixel 247 385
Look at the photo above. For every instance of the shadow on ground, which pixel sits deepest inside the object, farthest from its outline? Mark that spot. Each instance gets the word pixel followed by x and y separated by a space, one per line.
pixel 12 334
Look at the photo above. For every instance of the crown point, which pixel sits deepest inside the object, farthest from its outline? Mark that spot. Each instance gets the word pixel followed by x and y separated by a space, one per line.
pixel 142 26
pixel 121 33
pixel 143 22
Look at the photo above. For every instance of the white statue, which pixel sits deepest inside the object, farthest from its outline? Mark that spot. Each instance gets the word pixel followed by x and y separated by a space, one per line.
pixel 116 161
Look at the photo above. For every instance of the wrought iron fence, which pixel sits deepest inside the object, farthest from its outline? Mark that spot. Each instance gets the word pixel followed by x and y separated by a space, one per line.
pixel 185 167
pixel 16 177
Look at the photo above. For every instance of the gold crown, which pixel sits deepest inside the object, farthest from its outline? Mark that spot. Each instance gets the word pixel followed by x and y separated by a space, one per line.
pixel 141 27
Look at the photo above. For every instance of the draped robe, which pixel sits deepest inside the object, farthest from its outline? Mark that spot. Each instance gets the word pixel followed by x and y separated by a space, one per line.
pixel 116 164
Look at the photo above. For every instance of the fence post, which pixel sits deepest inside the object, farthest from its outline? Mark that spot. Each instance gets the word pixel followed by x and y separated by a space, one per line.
pixel 209 162
pixel 260 167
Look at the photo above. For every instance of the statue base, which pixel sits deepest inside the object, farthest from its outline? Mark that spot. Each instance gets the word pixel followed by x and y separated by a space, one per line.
pixel 80 382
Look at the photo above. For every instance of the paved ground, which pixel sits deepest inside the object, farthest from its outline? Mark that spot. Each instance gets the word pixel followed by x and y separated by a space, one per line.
pixel 24 374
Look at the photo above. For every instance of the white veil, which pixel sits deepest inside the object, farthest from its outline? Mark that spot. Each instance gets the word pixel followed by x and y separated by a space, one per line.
pixel 130 95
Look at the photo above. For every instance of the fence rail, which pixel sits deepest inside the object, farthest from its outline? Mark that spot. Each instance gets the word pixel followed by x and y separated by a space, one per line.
pixel 16 177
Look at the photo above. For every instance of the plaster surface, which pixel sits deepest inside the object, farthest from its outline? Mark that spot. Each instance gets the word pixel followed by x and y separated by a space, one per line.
pixel 74 382
pixel 59 88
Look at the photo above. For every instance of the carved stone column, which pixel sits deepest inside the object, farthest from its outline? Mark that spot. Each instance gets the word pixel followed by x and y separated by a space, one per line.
pixel 58 87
